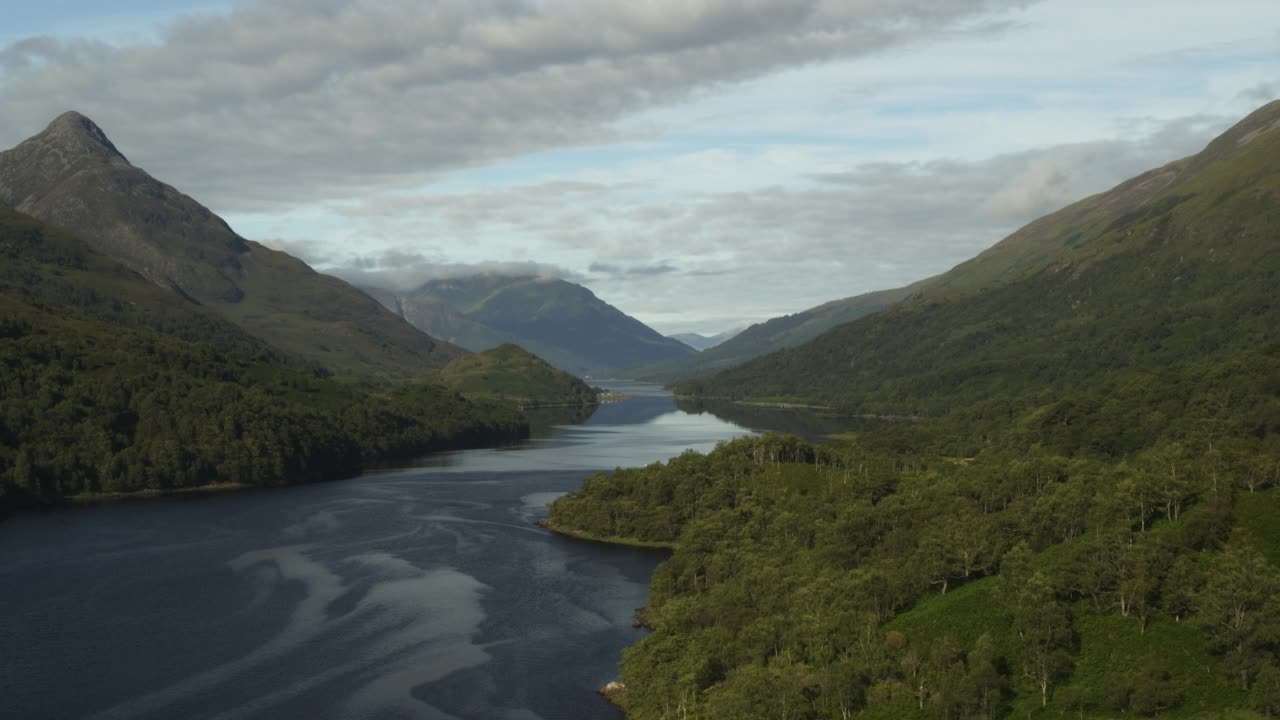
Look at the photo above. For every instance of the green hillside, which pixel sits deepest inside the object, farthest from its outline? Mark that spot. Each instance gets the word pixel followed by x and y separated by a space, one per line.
pixel 112 385
pixel 772 335
pixel 858 581
pixel 1079 521
pixel 512 374
pixel 42 266
pixel 1178 264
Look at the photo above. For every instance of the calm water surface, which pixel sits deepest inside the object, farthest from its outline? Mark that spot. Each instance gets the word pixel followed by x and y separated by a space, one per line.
pixel 418 593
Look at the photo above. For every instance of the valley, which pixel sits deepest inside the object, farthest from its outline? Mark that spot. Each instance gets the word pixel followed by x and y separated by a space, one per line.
pixel 574 360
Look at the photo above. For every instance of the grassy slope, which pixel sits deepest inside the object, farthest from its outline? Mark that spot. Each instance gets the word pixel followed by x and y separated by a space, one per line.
pixel 326 321
pixel 1025 250
pixel 772 335
pixel 1130 278
pixel 42 267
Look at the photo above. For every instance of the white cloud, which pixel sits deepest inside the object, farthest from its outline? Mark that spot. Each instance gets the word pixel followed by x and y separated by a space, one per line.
pixel 292 100
pixel 698 163
pixel 756 252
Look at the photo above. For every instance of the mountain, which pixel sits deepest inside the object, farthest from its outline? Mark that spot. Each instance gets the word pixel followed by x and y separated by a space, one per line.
pixel 1078 520
pixel 511 373
pixel 72 176
pixel 1025 250
pixel 769 336
pixel 705 342
pixel 113 385
pixel 1178 264
pixel 563 323
pixel 43 267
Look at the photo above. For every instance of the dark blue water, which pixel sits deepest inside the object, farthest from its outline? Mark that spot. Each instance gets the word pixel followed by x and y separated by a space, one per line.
pixel 417 593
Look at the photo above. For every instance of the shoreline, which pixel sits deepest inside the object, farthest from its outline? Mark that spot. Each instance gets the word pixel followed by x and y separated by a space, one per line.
pixel 605 399
pixel 614 692
pixel 784 405
pixel 803 406
pixel 551 527
pixel 156 494
pixel 368 466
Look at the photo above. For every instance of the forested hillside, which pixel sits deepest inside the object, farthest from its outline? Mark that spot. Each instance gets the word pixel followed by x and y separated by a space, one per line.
pixel 113 385
pixel 1057 572
pixel 510 373
pixel 1073 516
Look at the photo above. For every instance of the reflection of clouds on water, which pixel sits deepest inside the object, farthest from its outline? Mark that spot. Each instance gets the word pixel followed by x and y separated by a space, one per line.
pixel 415 593
pixel 534 505
pixel 289 563
pixel 434 616
pixel 408 626
pixel 520 715
pixel 539 499
pixel 616 596
pixel 320 523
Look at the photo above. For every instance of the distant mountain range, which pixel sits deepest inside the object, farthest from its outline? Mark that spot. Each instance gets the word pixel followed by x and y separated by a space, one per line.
pixel 1176 265
pixel 706 342
pixel 72 176
pixel 771 335
pixel 561 322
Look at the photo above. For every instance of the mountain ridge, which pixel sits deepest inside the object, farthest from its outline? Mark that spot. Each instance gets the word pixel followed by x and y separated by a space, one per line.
pixel 71 175
pixel 774 334
pixel 701 342
pixel 563 323
pixel 1137 276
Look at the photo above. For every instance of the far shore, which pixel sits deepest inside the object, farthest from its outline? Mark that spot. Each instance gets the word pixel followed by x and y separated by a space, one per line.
pixel 604 399
pixel 155 493
pixel 759 403
pixel 803 406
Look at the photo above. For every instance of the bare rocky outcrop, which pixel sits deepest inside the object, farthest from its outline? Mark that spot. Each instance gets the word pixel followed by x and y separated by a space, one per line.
pixel 613 692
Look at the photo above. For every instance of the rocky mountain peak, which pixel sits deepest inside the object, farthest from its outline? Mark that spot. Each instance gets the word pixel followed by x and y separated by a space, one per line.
pixel 73 128
pixel 70 144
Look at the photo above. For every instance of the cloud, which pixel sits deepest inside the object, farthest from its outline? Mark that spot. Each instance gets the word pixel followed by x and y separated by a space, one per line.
pixel 280 101
pixel 405 271
pixel 310 253
pixel 634 271
pixel 1260 94
pixel 741 256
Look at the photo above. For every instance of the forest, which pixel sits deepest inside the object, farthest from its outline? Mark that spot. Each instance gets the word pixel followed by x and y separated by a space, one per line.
pixel 1110 552
pixel 112 385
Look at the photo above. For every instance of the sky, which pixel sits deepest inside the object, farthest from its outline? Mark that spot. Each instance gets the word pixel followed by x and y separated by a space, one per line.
pixel 700 164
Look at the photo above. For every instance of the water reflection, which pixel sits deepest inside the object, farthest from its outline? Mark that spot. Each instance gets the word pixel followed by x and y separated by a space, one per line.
pixel 621 434
pixel 545 422
pixel 422 592
pixel 813 425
